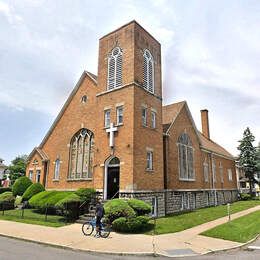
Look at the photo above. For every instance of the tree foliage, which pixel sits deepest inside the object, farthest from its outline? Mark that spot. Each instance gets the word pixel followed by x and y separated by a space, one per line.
pixel 17 168
pixel 248 156
pixel 258 157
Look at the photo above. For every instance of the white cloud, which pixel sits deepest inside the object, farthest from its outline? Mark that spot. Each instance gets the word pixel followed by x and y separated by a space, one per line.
pixel 9 13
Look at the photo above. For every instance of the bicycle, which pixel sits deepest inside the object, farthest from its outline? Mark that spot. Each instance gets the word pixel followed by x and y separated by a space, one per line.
pixel 90 226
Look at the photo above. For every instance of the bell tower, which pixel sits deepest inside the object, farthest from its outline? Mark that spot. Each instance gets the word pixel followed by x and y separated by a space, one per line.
pixel 129 75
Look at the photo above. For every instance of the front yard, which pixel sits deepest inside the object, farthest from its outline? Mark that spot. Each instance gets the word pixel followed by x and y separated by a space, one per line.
pixel 32 217
pixel 184 221
pixel 240 230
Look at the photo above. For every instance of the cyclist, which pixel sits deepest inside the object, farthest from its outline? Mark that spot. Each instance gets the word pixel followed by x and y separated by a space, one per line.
pixel 100 212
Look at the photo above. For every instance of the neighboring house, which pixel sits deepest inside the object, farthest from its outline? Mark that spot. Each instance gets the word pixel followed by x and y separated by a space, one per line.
pixel 243 182
pixel 2 168
pixel 113 134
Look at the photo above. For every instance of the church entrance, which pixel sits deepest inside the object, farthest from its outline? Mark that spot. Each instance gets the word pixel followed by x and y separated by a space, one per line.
pixel 112 178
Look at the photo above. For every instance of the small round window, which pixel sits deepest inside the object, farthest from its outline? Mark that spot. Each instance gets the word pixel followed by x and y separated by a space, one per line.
pixel 84 99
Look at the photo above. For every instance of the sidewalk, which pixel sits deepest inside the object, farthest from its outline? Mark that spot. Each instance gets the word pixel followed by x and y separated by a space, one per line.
pixel 187 242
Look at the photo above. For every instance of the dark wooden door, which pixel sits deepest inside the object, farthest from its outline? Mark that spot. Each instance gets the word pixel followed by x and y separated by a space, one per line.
pixel 113 182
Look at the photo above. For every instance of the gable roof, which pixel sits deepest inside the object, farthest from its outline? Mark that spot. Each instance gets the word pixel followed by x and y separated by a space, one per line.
pixel 170 112
pixel 72 94
pixel 169 115
pixel 42 154
pixel 210 145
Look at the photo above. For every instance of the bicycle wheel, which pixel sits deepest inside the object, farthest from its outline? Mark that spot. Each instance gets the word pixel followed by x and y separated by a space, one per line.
pixel 87 229
pixel 105 231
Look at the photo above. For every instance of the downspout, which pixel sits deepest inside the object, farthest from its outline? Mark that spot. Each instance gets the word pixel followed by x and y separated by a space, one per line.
pixel 213 183
pixel 165 169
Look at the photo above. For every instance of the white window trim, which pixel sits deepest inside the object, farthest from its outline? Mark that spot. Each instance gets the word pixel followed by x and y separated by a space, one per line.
pixel 181 178
pixel 206 174
pixel 107 124
pixel 114 84
pixel 148 60
pixel 149 162
pixel 117 115
pixel 153 119
pixel 144 122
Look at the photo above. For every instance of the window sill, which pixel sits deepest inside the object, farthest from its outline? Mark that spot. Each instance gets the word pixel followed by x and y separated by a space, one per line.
pixel 119 124
pixel 80 179
pixel 180 179
pixel 149 170
pixel 55 180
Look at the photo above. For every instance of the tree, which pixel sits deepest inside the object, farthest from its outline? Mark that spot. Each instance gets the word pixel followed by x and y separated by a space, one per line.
pixel 258 157
pixel 17 167
pixel 248 157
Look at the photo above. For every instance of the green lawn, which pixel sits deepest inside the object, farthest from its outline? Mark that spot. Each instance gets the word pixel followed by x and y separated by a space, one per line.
pixel 184 221
pixel 240 230
pixel 32 217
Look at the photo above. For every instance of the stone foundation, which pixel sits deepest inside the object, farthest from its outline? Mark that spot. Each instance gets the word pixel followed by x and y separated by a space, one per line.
pixel 170 201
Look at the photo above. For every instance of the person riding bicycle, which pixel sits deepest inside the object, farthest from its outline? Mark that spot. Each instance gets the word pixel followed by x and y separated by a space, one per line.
pixel 100 212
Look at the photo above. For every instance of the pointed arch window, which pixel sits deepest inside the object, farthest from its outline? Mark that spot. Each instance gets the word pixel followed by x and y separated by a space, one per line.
pixel 115 61
pixel 57 169
pixel 186 158
pixel 81 155
pixel 148 71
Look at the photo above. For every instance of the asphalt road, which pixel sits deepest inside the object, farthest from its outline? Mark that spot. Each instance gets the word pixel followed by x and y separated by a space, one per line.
pixel 13 249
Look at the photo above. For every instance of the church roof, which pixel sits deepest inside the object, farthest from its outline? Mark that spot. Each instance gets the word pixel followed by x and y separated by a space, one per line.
pixel 210 145
pixel 170 112
pixel 74 91
pixel 42 154
pixel 169 115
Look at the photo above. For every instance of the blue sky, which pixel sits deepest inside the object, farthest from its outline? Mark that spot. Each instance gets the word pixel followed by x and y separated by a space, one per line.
pixel 210 57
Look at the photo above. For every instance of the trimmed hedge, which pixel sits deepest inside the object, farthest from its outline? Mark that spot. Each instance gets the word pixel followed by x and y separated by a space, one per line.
pixel 32 190
pixel 7 200
pixel 139 206
pixel 69 205
pixel 47 199
pixel 131 225
pixel 21 185
pixel 117 208
pixel 245 196
pixel 3 189
pixel 86 194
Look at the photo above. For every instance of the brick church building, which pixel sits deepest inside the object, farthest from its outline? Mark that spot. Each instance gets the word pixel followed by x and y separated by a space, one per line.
pixel 113 134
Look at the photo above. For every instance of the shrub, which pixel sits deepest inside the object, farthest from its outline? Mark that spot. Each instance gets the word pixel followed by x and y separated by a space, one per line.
pixel 21 185
pixel 245 196
pixel 7 200
pixel 2 189
pixel 131 225
pixel 32 190
pixel 45 199
pixel 139 206
pixel 86 194
pixel 117 208
pixel 69 205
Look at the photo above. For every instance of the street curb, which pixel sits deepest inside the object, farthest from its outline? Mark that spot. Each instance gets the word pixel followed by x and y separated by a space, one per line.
pixel 82 250
pixel 234 247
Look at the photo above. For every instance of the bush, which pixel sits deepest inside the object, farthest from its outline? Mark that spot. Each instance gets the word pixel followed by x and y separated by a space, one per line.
pixel 32 190
pixel 131 225
pixel 117 208
pixel 7 200
pixel 21 185
pixel 47 199
pixel 2 189
pixel 139 206
pixel 245 196
pixel 86 194
pixel 69 205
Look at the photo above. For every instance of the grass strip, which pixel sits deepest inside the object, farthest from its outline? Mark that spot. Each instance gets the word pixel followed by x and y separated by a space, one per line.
pixel 240 230
pixel 32 217
pixel 176 223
